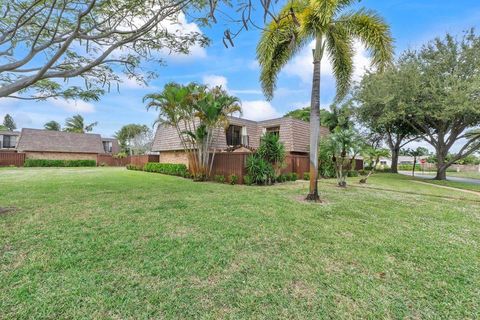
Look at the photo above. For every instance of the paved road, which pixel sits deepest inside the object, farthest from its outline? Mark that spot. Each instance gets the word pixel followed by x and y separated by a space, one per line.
pixel 456 179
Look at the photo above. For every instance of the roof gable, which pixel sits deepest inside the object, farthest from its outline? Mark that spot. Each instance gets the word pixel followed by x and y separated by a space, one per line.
pixel 59 141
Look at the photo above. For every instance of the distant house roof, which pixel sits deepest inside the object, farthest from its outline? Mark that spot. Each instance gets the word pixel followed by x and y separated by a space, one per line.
pixel 59 141
pixel 10 133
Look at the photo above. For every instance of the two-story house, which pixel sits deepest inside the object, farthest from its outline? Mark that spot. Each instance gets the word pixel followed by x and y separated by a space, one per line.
pixel 241 135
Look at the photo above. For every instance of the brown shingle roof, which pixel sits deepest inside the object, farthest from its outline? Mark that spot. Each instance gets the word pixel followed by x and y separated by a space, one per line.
pixel 10 133
pixel 59 141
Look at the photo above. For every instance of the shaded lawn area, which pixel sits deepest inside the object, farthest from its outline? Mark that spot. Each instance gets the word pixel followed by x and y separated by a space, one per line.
pixel 111 243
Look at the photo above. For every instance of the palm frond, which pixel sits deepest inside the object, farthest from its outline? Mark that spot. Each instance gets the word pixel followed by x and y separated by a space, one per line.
pixel 340 51
pixel 279 43
pixel 374 33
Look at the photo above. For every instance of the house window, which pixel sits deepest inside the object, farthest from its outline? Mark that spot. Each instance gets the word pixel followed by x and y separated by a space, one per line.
pixel 8 141
pixel 107 146
pixel 274 130
pixel 234 135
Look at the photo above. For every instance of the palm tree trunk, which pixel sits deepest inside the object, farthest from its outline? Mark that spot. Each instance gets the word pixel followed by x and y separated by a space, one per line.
pixel 315 119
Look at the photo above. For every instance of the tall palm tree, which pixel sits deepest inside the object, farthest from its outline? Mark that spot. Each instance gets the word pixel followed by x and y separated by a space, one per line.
pixel 77 124
pixel 52 126
pixel 334 31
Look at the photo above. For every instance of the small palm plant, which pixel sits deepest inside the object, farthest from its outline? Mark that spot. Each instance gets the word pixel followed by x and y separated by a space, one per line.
pixel 373 156
pixel 343 145
pixel 334 30
pixel 198 114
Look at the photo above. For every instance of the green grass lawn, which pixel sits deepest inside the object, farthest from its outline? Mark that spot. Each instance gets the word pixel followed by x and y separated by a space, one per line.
pixel 111 243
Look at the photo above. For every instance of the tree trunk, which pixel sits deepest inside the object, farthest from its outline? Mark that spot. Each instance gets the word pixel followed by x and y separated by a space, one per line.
pixel 315 121
pixel 441 166
pixel 414 164
pixel 395 151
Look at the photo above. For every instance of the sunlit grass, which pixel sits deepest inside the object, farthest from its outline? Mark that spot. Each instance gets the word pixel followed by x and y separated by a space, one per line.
pixel 111 243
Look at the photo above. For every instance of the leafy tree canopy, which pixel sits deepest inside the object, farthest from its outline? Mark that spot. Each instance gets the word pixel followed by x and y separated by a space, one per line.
pixel 9 123
pixel 52 126
pixel 77 124
pixel 445 95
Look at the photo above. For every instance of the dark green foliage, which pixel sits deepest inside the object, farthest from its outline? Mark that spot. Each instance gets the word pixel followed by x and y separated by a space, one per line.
pixel 220 178
pixel 281 178
pixel 233 178
pixel 9 123
pixel 247 180
pixel 260 171
pixel 59 163
pixel 352 173
pixel 408 167
pixel 362 172
pixel 172 169
pixel 326 165
pixel 306 176
pixel 294 176
pixel 271 149
pixel 134 167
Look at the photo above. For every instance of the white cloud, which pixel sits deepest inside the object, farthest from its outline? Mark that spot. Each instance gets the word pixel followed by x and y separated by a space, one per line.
pixel 301 66
pixel 73 106
pixel 258 110
pixel 181 26
pixel 215 80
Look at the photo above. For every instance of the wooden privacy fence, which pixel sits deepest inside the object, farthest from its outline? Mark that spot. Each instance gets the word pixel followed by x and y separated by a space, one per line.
pixel 142 160
pixel 139 161
pixel 110 161
pixel 228 163
pixel 12 159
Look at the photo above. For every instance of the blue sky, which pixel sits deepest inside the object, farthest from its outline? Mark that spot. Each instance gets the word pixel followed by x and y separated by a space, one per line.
pixel 413 22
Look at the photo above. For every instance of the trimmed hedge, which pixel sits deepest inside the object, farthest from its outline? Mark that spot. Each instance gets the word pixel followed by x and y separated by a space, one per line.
pixel 134 167
pixel 59 163
pixel 172 169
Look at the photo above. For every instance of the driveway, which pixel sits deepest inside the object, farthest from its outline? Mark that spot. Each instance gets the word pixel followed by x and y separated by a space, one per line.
pixel 456 179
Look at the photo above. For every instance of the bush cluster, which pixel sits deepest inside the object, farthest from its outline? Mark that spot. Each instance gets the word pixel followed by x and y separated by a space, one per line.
pixel 134 167
pixel 409 167
pixel 352 173
pixel 290 176
pixel 233 178
pixel 172 169
pixel 306 176
pixel 220 178
pixel 59 163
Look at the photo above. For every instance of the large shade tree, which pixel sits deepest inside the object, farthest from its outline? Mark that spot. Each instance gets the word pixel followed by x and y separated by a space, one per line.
pixel 80 48
pixel 378 97
pixel 445 105
pixel 45 43
pixel 334 30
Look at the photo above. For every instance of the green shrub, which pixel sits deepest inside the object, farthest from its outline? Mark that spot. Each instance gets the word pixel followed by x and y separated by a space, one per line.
pixel 294 176
pixel 352 173
pixel 362 172
pixel 233 179
pixel 134 167
pixel 220 178
pixel 260 170
pixel 172 169
pixel 281 178
pixel 306 176
pixel 288 176
pixel 247 180
pixel 409 167
pixel 59 163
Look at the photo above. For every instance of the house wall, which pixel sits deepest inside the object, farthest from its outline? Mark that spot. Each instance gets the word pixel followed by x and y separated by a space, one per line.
pixel 60 155
pixel 174 157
